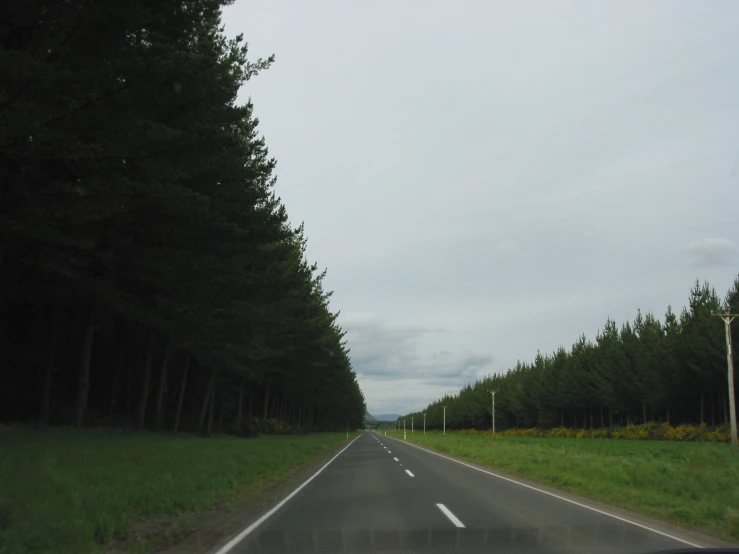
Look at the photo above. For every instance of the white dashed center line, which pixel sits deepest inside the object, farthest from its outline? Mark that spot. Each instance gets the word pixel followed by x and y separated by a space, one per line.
pixel 408 471
pixel 448 513
pixel 396 459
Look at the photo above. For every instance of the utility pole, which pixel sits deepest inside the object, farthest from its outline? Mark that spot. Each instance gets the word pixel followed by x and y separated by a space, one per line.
pixel 728 318
pixel 444 419
pixel 424 423
pixel 404 429
pixel 492 392
pixel 412 424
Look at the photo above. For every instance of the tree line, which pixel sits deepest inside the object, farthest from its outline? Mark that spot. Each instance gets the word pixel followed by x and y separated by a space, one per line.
pixel 671 370
pixel 149 276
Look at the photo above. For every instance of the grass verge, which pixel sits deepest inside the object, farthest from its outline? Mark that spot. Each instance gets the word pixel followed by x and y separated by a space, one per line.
pixel 695 485
pixel 69 491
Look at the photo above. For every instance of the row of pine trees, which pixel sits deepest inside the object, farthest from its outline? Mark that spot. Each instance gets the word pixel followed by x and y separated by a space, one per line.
pixel 670 370
pixel 149 275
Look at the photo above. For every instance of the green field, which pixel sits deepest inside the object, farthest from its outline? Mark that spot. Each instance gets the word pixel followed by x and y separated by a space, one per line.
pixel 67 491
pixel 692 484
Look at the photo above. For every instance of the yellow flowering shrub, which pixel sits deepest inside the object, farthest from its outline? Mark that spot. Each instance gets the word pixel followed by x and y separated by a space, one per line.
pixel 270 427
pixel 562 433
pixel 631 432
pixel 648 431
pixel 720 434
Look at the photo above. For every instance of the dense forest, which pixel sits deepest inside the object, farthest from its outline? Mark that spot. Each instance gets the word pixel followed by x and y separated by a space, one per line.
pixel 149 276
pixel 672 370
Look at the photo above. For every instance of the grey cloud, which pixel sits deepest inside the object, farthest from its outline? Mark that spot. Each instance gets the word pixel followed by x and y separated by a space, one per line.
pixel 486 178
pixel 390 351
pixel 712 252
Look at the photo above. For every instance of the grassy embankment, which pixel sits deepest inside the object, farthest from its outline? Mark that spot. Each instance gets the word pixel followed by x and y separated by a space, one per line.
pixel 691 484
pixel 68 491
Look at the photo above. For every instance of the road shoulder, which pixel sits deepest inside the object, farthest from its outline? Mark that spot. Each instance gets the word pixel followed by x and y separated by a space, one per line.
pixel 197 533
pixel 690 535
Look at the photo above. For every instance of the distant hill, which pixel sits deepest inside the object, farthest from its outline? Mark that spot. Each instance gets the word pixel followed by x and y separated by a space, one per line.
pixel 387 417
pixel 369 417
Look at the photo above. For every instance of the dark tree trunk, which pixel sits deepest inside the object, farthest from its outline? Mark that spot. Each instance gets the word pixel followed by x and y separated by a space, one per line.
pixel 590 413
pixel 275 404
pixel 49 367
pixel 667 414
pixel 129 387
pixel 206 399
pixel 574 419
pixel 561 417
pixel 702 410
pixel 602 421
pixel 610 416
pixel 724 407
pixel 266 400
pixel 211 404
pixel 221 407
pixel 181 395
pixel 114 389
pixel 83 381
pixel 144 396
pixel 644 411
pixel 117 370
pixel 162 387
pixel 239 406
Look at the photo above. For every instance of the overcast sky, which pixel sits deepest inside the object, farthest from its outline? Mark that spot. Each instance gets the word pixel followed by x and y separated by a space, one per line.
pixel 484 179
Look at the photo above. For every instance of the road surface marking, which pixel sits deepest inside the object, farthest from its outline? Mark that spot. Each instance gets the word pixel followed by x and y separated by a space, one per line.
pixel 396 459
pixel 448 513
pixel 673 537
pixel 408 471
pixel 389 452
pixel 246 532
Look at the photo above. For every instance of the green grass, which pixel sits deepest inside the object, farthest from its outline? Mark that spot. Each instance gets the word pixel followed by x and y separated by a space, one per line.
pixel 68 491
pixel 691 484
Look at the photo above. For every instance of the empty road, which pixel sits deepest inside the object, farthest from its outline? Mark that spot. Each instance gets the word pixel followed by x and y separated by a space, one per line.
pixel 384 495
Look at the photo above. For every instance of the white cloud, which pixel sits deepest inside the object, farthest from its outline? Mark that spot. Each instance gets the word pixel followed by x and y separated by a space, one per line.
pixel 507 175
pixel 509 247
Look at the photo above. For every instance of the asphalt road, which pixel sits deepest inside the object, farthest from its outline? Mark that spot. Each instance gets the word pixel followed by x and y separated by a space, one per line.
pixel 383 495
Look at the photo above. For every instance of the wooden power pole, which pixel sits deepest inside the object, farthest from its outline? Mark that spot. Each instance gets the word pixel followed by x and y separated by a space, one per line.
pixel 728 318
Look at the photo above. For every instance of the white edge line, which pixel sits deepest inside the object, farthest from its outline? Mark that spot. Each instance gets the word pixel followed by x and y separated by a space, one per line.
pixel 448 513
pixel 408 471
pixel 396 459
pixel 241 536
pixel 558 496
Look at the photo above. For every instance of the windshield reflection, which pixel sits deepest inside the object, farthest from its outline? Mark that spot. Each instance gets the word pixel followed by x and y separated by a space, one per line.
pixel 603 539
